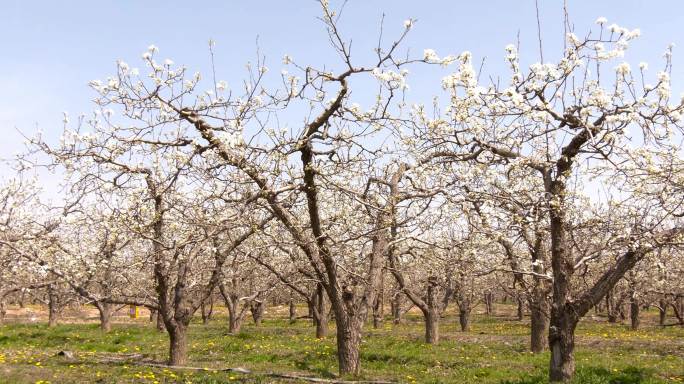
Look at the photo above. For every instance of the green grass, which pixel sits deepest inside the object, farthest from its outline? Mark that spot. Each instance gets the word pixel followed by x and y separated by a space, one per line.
pixel 494 351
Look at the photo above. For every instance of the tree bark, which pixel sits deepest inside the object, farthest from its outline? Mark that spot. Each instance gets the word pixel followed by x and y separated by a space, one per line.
pixel 293 311
pixel 377 315
pixel 105 311
pixel 348 345
pixel 3 311
pixel 521 308
pixel 464 319
pixel 610 307
pixel 562 322
pixel 539 324
pixel 52 307
pixel 662 312
pixel 634 310
pixel 539 314
pixel 432 327
pixel 207 310
pixel 488 303
pixel 321 326
pixel 257 309
pixel 234 320
pixel 178 346
pixel 318 309
pixel 161 327
pixel 678 309
pixel 379 305
pixel 396 308
pixel 562 344
pixel 431 312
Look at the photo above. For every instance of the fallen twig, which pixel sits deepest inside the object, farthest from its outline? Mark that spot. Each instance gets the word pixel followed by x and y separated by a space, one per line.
pixel 246 371
pixel 140 359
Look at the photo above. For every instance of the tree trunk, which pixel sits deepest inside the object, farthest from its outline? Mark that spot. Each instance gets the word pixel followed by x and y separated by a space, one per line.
pixel 348 344
pixel 621 309
pixel 539 324
pixel 521 308
pixel 488 303
pixel 321 326
pixel 677 309
pixel 464 319
pixel 634 312
pixel 562 323
pixel 430 312
pixel 379 303
pixel 178 346
pixel 377 315
pixel 257 309
pixel 432 327
pixel 662 312
pixel 105 310
pixel 3 311
pixel 610 307
pixel 562 344
pixel 396 308
pixel 310 306
pixel 234 320
pixel 52 307
pixel 318 310
pixel 207 310
pixel 161 327
pixel 293 312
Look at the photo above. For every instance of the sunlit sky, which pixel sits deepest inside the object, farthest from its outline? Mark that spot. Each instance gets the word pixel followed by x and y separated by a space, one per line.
pixel 52 49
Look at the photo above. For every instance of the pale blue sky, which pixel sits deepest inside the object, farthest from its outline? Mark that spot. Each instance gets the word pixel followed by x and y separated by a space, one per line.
pixel 51 49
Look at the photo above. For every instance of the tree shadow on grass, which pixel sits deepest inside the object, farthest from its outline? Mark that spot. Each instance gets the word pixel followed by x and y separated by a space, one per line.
pixel 595 375
pixel 315 366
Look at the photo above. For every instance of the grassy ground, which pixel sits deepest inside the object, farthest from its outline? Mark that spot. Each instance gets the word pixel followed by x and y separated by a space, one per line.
pixel 494 351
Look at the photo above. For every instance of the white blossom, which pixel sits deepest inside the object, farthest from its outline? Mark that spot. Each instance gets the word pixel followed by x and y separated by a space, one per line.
pixel 430 55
